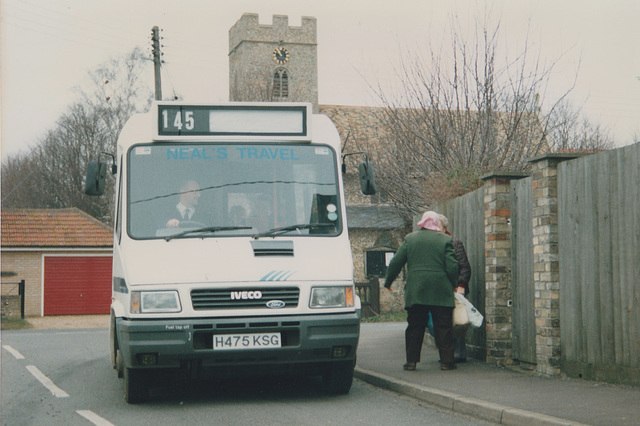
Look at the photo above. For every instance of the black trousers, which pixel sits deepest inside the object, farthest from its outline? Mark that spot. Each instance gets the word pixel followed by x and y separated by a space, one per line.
pixel 417 318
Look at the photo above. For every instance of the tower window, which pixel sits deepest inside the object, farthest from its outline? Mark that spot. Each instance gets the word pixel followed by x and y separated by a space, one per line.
pixel 280 83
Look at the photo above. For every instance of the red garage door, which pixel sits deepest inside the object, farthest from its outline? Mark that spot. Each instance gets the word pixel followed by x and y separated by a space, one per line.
pixel 77 285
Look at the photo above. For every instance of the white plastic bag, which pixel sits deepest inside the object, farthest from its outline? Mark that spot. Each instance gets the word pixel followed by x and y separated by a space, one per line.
pixel 460 318
pixel 475 317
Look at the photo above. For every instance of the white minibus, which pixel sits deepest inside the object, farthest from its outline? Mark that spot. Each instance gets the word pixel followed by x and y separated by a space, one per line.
pixel 231 251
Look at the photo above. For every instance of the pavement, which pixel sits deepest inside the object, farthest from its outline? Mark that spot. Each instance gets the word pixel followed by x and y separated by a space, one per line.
pixel 506 396
pixel 500 395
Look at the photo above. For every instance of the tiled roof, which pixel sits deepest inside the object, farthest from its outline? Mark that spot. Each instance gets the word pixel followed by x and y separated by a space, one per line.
pixel 53 228
pixel 374 217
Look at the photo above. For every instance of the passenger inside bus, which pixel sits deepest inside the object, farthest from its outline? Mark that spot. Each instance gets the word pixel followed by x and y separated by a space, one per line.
pixel 261 214
pixel 237 216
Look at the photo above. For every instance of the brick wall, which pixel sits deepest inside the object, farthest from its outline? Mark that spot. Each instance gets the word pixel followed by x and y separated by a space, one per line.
pixel 546 272
pixel 497 244
pixel 28 266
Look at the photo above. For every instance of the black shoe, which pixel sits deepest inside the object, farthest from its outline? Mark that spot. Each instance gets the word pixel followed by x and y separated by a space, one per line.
pixel 446 367
pixel 410 366
pixel 459 360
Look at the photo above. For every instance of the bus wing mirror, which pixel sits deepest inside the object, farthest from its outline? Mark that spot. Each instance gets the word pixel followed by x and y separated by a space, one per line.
pixel 96 176
pixel 367 178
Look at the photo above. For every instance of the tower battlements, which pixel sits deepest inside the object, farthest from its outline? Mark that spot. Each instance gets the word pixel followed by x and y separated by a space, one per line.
pixel 248 28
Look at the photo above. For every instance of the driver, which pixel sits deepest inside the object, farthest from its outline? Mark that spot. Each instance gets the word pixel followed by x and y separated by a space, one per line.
pixel 185 210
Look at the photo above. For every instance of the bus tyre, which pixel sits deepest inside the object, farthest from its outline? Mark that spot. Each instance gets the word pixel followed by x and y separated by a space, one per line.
pixel 116 356
pixel 119 364
pixel 112 340
pixel 338 377
pixel 136 388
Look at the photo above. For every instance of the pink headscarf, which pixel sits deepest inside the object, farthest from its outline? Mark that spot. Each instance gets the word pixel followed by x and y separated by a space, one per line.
pixel 431 221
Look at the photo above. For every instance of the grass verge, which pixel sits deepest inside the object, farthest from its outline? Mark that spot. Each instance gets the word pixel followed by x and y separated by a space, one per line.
pixel 14 324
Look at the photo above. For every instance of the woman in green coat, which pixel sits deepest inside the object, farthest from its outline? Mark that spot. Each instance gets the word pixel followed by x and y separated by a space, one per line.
pixel 432 273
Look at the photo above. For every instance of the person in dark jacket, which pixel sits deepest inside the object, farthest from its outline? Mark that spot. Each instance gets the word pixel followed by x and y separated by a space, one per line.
pixel 185 210
pixel 432 273
pixel 464 275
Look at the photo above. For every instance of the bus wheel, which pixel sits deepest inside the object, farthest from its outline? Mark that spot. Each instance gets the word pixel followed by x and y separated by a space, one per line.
pixel 136 388
pixel 119 364
pixel 338 377
pixel 112 340
pixel 116 356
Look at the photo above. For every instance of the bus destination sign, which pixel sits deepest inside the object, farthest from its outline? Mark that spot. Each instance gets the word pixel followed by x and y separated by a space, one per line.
pixel 174 119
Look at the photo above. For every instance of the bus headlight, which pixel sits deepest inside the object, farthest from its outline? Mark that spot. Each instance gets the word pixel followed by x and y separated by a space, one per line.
pixel 154 301
pixel 331 297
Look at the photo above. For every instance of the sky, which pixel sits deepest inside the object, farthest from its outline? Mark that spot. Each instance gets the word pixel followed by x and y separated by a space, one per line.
pixel 48 47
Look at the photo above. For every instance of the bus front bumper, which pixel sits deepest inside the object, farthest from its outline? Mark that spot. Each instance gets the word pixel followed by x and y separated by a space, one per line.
pixel 302 342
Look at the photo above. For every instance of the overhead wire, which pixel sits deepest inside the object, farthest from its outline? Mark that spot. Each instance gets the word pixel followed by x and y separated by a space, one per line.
pixel 82 31
pixel 72 23
pixel 40 19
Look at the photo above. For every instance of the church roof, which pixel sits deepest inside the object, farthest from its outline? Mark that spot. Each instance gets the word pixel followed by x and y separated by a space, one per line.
pixel 373 217
pixel 358 126
pixel 364 128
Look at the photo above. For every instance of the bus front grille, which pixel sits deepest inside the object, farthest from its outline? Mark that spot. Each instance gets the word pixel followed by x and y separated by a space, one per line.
pixel 242 298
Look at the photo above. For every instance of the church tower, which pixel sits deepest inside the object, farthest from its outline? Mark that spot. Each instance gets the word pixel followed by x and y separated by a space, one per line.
pixel 274 62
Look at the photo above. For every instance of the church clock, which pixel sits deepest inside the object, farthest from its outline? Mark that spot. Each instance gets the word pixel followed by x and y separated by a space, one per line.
pixel 280 55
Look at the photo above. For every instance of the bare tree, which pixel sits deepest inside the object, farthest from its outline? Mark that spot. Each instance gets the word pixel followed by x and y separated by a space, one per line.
pixel 51 175
pixel 569 131
pixel 460 114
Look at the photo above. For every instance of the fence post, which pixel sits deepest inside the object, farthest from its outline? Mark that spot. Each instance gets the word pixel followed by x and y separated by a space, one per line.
pixel 497 230
pixel 546 270
pixel 374 285
pixel 21 293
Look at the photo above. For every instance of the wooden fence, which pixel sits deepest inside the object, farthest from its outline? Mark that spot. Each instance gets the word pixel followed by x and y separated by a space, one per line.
pixel 369 294
pixel 522 287
pixel 599 250
pixel 594 241
pixel 466 220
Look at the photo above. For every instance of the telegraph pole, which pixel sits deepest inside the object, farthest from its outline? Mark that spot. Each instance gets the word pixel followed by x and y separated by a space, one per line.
pixel 157 61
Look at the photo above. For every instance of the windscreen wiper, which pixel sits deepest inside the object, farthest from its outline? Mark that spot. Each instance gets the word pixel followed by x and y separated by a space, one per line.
pixel 285 229
pixel 205 229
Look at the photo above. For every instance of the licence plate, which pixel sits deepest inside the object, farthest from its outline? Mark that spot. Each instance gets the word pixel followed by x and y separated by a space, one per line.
pixel 223 342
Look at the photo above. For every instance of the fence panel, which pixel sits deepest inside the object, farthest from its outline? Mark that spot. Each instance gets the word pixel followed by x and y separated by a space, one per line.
pixel 369 294
pixel 466 222
pixel 12 299
pixel 523 292
pixel 599 246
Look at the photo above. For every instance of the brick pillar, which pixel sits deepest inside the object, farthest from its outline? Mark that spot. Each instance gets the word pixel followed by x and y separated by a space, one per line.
pixel 497 215
pixel 546 273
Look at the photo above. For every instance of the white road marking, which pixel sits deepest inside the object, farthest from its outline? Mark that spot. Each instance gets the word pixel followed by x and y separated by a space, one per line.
pixel 94 418
pixel 56 391
pixel 15 353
